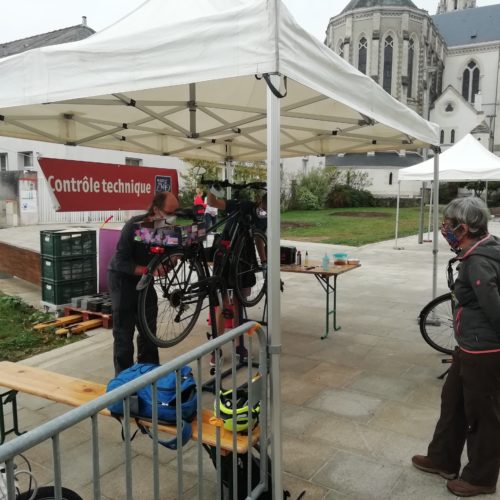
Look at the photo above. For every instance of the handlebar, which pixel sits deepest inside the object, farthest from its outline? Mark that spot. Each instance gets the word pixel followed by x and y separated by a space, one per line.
pixel 226 184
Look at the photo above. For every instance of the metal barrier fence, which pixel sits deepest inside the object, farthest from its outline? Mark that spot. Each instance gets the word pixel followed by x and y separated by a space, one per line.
pixel 228 472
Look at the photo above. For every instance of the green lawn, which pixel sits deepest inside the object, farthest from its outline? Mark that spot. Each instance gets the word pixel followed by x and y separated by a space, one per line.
pixel 17 339
pixel 360 227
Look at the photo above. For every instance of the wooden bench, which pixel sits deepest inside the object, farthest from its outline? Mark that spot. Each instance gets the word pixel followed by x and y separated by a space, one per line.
pixel 75 392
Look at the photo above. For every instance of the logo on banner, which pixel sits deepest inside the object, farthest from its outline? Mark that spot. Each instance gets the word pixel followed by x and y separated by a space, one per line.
pixel 163 183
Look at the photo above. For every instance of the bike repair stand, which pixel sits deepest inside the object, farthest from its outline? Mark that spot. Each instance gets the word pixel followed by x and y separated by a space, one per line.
pixel 209 385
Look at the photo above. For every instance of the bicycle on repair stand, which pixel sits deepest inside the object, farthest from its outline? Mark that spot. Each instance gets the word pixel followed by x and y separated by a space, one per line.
pixel 183 278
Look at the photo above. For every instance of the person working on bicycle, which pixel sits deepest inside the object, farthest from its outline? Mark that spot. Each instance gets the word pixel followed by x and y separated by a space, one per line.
pixel 125 269
pixel 258 213
pixel 470 400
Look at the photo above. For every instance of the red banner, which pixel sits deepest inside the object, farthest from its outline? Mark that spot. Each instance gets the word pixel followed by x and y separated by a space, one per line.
pixel 88 186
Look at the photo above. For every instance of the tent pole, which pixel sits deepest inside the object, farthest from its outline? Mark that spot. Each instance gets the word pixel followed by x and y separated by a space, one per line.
pixel 273 282
pixel 435 245
pixel 421 214
pixel 397 218
pixel 431 201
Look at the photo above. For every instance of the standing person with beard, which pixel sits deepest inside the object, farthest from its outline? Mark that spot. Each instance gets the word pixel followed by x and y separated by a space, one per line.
pixel 470 400
pixel 125 269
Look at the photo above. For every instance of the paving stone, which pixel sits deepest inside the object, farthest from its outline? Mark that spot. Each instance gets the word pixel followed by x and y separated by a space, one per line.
pixel 346 404
pixel 358 476
pixel 385 387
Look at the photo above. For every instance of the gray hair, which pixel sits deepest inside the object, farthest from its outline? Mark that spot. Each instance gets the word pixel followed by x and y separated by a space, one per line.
pixel 471 211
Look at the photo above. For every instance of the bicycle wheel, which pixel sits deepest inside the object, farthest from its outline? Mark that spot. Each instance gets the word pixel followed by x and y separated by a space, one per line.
pixel 436 324
pixel 48 493
pixel 250 276
pixel 169 308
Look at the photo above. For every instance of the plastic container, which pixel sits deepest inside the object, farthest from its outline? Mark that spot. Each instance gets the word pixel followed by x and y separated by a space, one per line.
pixel 62 292
pixel 325 262
pixel 340 259
pixel 353 261
pixel 68 268
pixel 67 243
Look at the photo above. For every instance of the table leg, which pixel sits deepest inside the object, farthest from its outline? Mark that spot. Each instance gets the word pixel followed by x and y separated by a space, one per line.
pixel 6 398
pixel 329 290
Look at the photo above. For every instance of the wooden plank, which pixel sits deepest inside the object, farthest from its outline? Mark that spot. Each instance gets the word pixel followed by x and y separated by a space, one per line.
pixel 62 321
pixel 75 392
pixel 314 268
pixel 79 327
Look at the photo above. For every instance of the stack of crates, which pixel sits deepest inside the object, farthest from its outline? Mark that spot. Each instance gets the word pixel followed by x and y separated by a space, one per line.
pixel 69 265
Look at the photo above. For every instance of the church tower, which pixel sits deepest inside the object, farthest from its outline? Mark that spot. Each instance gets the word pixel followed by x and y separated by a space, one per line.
pixel 451 5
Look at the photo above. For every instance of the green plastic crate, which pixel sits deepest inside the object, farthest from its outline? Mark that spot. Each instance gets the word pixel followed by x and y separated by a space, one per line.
pixel 68 268
pixel 62 292
pixel 64 243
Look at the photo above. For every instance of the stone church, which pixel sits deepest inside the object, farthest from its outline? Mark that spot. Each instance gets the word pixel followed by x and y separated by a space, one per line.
pixel 443 66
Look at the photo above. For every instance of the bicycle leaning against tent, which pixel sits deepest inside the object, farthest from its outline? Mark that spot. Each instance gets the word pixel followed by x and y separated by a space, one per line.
pixel 436 318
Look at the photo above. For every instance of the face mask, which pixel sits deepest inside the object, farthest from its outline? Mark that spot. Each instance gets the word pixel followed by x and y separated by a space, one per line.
pixel 450 236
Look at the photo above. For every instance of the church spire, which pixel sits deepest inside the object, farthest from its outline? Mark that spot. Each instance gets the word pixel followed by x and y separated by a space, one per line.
pixel 445 6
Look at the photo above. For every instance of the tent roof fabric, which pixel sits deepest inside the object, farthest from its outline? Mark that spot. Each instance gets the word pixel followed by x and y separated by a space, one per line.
pixel 467 160
pixel 185 79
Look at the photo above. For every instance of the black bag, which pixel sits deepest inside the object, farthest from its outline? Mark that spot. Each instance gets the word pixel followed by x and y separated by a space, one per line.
pixel 242 475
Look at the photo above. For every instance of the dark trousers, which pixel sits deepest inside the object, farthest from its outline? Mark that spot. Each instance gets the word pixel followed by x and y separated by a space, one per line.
pixel 122 288
pixel 470 413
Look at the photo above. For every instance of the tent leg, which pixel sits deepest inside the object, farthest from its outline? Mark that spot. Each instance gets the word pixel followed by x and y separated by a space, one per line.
pixel 397 219
pixel 273 281
pixel 421 215
pixel 435 246
pixel 431 201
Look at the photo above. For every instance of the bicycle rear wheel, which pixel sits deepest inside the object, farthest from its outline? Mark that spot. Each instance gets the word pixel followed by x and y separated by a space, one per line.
pixel 49 493
pixel 436 324
pixel 250 275
pixel 169 307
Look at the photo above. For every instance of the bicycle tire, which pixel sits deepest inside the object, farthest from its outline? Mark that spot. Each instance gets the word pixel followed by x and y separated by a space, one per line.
pixel 48 493
pixel 247 264
pixel 178 303
pixel 436 324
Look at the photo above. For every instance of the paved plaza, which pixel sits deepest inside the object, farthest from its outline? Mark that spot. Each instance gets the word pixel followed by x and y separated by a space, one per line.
pixel 356 406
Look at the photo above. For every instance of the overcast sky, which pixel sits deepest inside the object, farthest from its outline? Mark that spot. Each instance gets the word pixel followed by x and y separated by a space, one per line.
pixel 23 18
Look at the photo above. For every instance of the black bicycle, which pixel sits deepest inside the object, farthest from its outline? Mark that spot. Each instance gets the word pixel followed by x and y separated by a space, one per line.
pixel 436 318
pixel 183 277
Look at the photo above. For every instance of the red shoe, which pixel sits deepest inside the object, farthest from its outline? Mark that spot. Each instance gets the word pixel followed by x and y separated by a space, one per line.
pixel 424 463
pixel 462 488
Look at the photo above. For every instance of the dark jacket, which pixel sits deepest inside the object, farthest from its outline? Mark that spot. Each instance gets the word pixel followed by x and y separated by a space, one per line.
pixel 129 252
pixel 477 315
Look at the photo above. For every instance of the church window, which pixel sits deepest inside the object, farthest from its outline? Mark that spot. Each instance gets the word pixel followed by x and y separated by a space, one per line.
pixel 411 60
pixel 441 137
pixel 390 179
pixel 340 50
pixel 452 136
pixel 387 72
pixel 362 54
pixel 470 82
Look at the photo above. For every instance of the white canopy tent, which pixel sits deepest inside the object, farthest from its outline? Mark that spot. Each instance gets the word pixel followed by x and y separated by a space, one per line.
pixel 201 79
pixel 467 160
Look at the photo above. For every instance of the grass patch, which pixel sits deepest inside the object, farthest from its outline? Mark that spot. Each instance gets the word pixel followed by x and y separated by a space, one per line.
pixel 349 226
pixel 17 338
